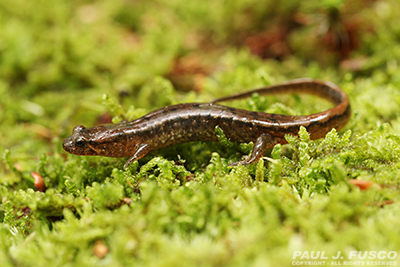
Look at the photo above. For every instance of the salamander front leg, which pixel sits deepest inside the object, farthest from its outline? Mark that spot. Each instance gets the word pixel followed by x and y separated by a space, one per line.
pixel 140 151
pixel 263 142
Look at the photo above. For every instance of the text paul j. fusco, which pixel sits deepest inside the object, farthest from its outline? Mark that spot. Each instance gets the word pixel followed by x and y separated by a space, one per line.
pixel 353 255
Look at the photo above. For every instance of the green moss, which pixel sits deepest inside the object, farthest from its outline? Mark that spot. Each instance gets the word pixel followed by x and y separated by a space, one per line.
pixel 74 63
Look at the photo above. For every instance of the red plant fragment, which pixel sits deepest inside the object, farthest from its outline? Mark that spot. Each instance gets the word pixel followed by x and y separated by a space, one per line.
pixel 39 182
pixel 362 184
pixel 269 44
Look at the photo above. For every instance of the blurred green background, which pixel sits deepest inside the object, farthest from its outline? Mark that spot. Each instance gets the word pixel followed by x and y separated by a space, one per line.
pixel 65 63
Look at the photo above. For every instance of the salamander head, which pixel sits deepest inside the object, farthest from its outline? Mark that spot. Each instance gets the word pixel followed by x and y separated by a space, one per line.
pixel 97 141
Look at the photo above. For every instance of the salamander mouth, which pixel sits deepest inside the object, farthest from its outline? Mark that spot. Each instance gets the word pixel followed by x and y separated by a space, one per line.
pixel 94 150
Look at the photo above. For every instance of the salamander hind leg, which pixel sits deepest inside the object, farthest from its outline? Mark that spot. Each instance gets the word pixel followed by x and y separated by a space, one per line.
pixel 140 151
pixel 263 142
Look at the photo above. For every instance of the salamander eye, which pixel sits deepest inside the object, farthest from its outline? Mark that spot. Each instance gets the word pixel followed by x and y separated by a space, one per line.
pixel 81 142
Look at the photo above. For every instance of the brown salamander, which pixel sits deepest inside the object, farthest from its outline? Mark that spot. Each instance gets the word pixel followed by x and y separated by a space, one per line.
pixel 197 121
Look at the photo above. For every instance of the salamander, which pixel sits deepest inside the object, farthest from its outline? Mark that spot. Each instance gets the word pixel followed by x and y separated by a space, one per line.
pixel 197 122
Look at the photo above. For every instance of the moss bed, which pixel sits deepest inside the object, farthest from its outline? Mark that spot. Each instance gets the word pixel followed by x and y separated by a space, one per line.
pixel 67 63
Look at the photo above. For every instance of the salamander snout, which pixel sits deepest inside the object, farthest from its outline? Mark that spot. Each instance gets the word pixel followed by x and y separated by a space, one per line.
pixel 77 143
pixel 69 145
